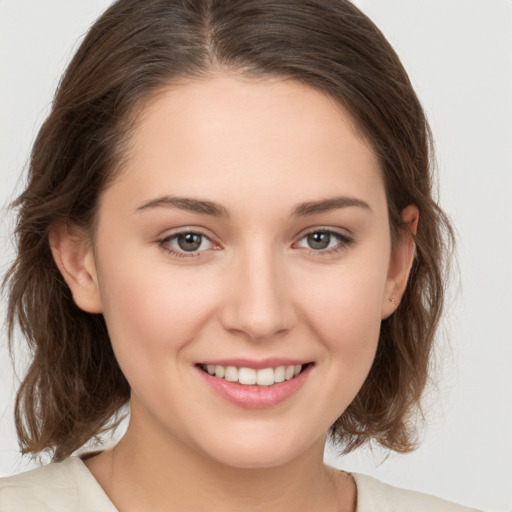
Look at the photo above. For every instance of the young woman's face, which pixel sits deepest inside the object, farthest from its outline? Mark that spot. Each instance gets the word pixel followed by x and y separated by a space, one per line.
pixel 247 233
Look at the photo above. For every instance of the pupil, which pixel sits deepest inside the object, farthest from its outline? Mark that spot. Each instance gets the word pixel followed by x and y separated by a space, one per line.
pixel 319 240
pixel 189 241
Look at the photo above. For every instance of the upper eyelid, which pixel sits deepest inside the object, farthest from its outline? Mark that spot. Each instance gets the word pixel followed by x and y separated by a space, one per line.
pixel 345 233
pixel 179 231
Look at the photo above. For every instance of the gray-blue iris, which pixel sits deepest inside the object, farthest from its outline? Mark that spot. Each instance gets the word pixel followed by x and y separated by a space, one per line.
pixel 189 241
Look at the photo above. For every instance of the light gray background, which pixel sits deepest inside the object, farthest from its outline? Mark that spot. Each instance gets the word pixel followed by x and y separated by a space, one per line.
pixel 459 56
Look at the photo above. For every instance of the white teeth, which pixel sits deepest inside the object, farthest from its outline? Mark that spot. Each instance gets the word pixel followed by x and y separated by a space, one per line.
pixel 250 376
pixel 279 374
pixel 265 377
pixel 288 373
pixel 231 374
pixel 247 376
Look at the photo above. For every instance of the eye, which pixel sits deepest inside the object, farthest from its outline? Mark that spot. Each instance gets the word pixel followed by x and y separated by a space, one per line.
pixel 186 243
pixel 324 241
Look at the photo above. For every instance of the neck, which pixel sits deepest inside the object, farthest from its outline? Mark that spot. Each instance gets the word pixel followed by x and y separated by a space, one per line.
pixel 151 473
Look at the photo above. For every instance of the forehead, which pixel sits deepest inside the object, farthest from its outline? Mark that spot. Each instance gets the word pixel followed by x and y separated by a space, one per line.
pixel 228 136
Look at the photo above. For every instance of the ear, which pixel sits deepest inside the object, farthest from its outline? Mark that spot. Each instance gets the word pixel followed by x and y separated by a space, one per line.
pixel 73 255
pixel 400 264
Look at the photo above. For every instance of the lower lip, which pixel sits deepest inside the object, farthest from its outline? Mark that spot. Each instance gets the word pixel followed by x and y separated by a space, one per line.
pixel 256 397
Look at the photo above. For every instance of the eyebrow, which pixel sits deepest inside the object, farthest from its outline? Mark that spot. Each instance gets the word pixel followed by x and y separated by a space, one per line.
pixel 187 204
pixel 217 210
pixel 327 205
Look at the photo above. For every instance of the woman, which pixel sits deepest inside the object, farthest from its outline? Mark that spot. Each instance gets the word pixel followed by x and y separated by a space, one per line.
pixel 229 224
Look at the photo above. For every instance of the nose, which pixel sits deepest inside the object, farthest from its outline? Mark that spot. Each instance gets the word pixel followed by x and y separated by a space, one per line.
pixel 258 299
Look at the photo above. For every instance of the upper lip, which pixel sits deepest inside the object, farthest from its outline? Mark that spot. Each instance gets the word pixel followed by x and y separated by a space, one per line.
pixel 271 362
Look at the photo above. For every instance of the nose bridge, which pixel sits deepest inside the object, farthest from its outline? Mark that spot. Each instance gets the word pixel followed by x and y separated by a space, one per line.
pixel 258 303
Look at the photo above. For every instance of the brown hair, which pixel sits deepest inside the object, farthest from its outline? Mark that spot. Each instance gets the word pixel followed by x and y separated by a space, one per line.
pixel 74 386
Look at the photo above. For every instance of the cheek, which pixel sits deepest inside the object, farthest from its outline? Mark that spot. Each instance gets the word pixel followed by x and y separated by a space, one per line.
pixel 152 311
pixel 344 312
pixel 346 306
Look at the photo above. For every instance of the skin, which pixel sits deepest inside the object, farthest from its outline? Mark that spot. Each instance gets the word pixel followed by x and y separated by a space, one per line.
pixel 256 289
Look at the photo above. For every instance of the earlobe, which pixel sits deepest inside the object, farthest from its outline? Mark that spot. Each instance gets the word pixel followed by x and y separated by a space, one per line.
pixel 74 257
pixel 401 261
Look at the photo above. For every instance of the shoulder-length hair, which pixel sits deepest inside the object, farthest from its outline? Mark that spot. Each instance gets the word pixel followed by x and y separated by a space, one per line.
pixel 74 386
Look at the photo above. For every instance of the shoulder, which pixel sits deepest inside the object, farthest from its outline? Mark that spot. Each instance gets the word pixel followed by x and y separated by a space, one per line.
pixel 56 487
pixel 376 496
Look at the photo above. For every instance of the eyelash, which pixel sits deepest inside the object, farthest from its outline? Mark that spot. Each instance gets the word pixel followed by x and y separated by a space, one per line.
pixel 344 241
pixel 164 243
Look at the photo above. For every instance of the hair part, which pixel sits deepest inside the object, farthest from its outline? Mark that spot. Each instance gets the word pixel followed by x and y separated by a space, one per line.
pixel 74 386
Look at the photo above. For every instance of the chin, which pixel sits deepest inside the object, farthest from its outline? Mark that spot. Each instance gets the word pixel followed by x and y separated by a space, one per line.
pixel 262 452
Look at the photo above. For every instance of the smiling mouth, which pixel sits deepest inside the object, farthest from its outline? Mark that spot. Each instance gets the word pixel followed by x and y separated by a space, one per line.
pixel 252 377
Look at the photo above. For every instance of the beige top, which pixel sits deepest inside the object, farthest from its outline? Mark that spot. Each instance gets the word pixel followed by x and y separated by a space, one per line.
pixel 69 486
